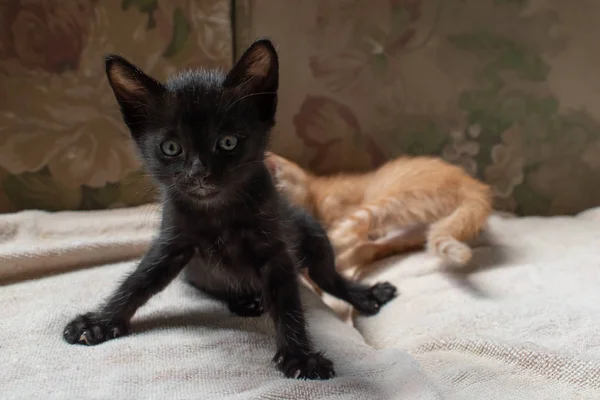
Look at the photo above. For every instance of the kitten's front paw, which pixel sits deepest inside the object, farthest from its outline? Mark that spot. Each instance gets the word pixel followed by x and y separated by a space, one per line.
pixel 90 329
pixel 305 366
pixel 376 296
pixel 250 306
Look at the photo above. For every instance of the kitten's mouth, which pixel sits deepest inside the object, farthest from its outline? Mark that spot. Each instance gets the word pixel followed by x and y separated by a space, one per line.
pixel 204 193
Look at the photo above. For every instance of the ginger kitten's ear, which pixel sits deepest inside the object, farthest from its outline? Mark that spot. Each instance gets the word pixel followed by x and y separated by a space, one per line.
pixel 271 163
pixel 256 76
pixel 137 93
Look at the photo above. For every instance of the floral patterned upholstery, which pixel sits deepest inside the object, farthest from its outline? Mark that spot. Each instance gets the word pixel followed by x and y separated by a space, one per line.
pixel 509 89
pixel 62 142
pixel 506 88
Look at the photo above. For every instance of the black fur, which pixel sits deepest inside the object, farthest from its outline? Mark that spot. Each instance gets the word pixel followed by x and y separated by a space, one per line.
pixel 222 217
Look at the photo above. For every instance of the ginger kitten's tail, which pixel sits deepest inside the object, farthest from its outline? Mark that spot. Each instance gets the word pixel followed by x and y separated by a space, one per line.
pixel 446 237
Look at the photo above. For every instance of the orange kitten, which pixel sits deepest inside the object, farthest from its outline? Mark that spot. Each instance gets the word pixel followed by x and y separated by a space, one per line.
pixel 405 204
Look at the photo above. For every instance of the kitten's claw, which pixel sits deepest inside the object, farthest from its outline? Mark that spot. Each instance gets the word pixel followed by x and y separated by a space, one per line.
pixel 83 338
pixel 375 297
pixel 305 366
pixel 91 329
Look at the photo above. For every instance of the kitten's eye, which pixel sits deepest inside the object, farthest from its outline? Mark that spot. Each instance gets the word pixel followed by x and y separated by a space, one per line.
pixel 170 148
pixel 228 143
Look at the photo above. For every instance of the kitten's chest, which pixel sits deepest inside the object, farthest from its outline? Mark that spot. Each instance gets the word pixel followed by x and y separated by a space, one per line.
pixel 235 246
pixel 228 258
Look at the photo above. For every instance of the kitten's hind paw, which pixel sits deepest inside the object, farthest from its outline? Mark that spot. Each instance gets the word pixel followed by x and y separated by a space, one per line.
pixel 456 254
pixel 91 329
pixel 305 366
pixel 250 306
pixel 371 300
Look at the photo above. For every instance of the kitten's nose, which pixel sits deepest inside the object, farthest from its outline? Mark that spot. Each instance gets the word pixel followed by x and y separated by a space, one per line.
pixel 198 171
pixel 198 178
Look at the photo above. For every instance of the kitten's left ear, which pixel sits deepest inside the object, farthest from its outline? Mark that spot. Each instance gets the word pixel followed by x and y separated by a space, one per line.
pixel 256 75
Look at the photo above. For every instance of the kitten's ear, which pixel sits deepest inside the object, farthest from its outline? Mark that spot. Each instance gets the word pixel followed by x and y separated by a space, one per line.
pixel 271 163
pixel 256 75
pixel 136 92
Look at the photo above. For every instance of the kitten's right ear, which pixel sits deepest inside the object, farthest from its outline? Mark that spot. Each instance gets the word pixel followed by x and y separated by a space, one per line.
pixel 271 163
pixel 136 92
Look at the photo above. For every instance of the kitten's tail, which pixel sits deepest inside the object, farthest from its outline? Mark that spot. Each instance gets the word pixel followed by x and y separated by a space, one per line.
pixel 446 237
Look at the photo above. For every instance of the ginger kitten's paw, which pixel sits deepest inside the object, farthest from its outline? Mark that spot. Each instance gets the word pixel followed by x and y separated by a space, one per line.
pixel 451 250
pixel 305 366
pixel 91 329
pixel 370 301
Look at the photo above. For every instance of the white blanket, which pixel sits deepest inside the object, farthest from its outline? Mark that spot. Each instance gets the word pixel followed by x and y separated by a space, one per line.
pixel 184 346
pixel 525 327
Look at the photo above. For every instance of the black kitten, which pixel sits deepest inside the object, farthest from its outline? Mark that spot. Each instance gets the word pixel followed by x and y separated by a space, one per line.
pixel 203 137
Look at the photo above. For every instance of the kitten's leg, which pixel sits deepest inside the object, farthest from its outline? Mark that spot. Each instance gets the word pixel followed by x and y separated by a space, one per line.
pixel 155 271
pixel 317 255
pixel 446 237
pixel 294 357
pixel 385 215
pixel 446 234
pixel 397 241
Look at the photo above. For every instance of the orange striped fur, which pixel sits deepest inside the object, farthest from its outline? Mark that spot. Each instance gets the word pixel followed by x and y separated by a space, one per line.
pixel 405 204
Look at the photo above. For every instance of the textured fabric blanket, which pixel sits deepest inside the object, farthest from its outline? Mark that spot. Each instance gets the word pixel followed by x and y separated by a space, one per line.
pixel 183 345
pixel 525 324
